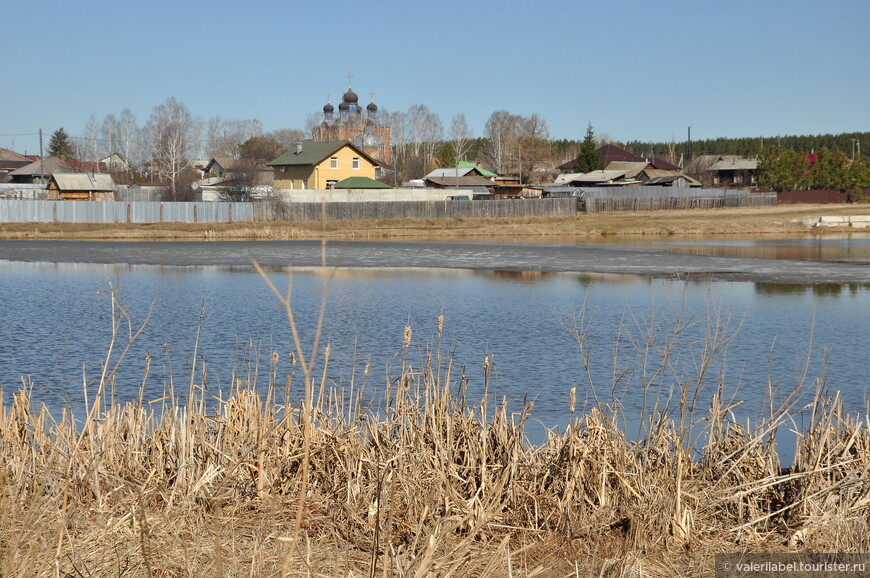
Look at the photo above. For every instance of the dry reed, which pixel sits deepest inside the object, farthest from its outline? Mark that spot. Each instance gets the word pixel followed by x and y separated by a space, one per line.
pixel 261 484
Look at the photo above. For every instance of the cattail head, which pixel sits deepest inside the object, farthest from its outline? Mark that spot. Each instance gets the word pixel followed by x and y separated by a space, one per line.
pixel 440 324
pixel 486 362
pixel 327 350
pixel 572 398
pixel 292 359
pixel 366 370
pixel 407 340
pixel 274 357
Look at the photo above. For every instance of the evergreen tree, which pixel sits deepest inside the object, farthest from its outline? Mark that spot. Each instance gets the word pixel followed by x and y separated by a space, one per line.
pixel 829 170
pixel 858 176
pixel 588 160
pixel 60 145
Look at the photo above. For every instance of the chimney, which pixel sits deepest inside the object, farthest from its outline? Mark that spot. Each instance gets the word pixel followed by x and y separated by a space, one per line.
pixel 299 148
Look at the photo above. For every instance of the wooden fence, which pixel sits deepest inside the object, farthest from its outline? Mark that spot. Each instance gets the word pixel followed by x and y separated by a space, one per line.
pixel 276 210
pixel 640 203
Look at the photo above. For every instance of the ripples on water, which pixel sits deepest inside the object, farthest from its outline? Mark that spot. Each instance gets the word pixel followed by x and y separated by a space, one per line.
pixel 57 323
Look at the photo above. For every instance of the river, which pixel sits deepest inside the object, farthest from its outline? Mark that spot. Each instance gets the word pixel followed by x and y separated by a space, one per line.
pixel 784 314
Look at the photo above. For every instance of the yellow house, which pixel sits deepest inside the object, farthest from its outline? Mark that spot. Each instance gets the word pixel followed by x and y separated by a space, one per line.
pixel 321 164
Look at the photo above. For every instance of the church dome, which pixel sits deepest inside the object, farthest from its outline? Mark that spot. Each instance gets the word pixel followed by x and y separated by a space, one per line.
pixel 372 107
pixel 343 105
pixel 328 108
pixel 350 97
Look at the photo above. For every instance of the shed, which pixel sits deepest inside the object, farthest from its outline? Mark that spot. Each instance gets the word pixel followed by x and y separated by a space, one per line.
pixel 81 187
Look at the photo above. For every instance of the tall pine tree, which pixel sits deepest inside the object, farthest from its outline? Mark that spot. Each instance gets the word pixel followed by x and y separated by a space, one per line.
pixel 588 160
pixel 60 145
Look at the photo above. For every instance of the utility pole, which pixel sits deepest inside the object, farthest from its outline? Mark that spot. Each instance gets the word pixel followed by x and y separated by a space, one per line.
pixel 41 156
pixel 689 146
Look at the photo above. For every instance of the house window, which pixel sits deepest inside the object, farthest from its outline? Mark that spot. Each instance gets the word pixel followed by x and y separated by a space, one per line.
pixel 333 163
pixel 356 163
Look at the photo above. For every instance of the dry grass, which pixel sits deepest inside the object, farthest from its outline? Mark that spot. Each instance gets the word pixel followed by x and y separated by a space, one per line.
pixel 778 220
pixel 290 479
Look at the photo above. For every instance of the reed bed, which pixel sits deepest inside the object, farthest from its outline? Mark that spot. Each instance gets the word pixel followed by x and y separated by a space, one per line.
pixel 302 477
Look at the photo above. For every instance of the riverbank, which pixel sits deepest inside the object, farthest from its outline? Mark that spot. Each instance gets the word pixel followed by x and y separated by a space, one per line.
pixel 778 220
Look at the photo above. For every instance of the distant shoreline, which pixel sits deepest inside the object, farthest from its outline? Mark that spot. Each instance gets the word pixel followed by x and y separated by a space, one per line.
pixel 778 220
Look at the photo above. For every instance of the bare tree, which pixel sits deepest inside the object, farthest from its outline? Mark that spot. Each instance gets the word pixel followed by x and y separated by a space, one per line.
pixel 110 131
pixel 224 137
pixel 167 140
pixel 398 123
pixel 89 143
pixel 313 124
pixel 533 144
pixel 425 132
pixel 287 136
pixel 128 135
pixel 501 132
pixel 461 136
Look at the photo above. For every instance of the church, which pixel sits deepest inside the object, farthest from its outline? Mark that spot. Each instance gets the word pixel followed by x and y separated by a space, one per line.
pixel 357 125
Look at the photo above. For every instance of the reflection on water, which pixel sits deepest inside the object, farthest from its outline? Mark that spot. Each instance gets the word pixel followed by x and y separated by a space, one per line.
pixel 845 250
pixel 820 289
pixel 56 319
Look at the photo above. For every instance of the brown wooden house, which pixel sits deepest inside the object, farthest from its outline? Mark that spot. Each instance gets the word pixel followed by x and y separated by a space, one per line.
pixel 81 187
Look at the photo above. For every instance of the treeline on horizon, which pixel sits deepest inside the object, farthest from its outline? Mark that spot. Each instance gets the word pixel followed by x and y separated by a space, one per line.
pixel 847 143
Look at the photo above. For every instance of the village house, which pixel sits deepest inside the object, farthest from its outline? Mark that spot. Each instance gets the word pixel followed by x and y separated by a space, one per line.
pixel 613 154
pixel 116 162
pixel 320 165
pixel 725 171
pixel 36 171
pixel 10 161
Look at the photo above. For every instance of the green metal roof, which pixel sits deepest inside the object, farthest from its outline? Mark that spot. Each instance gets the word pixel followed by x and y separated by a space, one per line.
pixel 480 169
pixel 315 152
pixel 361 183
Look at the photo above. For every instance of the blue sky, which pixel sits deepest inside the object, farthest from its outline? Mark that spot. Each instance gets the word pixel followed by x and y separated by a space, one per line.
pixel 635 70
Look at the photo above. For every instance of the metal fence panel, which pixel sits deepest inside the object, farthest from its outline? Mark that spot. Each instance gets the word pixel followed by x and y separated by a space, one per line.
pixel 145 212
pixel 31 211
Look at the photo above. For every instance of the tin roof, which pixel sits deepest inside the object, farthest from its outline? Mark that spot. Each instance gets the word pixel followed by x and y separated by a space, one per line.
pixel 451 172
pixel 83 182
pixel 734 164
pixel 47 166
pixel 463 182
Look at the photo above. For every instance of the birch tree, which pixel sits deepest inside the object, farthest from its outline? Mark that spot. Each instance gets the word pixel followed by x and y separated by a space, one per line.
pixel 110 134
pixel 167 140
pixel 89 144
pixel 501 132
pixel 461 137
pixel 128 135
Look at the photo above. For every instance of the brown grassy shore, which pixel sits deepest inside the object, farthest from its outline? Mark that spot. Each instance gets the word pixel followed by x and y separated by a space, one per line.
pixel 779 220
